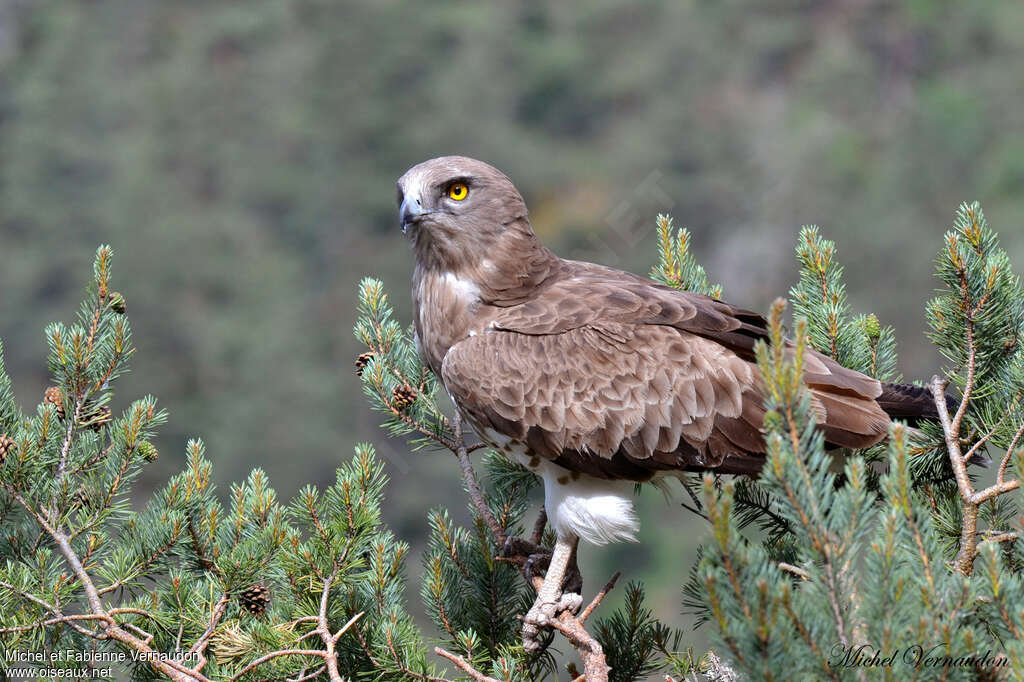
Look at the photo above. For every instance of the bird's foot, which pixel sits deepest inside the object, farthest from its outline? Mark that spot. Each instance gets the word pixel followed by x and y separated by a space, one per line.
pixel 535 560
pixel 542 613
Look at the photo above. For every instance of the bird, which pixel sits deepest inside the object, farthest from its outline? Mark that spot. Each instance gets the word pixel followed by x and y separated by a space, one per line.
pixel 595 378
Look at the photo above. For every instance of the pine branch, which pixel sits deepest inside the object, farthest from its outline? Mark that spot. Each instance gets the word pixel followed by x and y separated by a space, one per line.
pixel 464 665
pixel 472 487
pixel 677 267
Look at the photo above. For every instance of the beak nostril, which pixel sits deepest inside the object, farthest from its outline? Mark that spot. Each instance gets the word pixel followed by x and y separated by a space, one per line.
pixel 410 210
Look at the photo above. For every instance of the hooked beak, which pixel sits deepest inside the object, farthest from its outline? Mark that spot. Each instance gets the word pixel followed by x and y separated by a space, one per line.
pixel 411 211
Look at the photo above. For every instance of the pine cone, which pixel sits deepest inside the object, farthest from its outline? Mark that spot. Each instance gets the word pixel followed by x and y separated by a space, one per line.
pixel 255 599
pixel 7 444
pixel 404 396
pixel 362 361
pixel 55 397
pixel 82 499
pixel 97 418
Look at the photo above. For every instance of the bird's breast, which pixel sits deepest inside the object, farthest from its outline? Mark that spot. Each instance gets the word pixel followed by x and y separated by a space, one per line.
pixel 448 309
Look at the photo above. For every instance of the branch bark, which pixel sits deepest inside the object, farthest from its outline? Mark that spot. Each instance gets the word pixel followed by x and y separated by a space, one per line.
pixel 469 477
pixel 971 500
pixel 464 665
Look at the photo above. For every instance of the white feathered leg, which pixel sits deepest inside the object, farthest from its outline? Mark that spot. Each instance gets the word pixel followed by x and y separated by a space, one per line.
pixel 550 599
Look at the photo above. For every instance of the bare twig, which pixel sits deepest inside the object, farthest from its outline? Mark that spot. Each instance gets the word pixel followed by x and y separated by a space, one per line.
pixel 971 499
pixel 995 538
pixel 329 640
pixel 964 561
pixel 309 676
pixel 63 620
pixel 271 656
pixel 595 666
pixel 475 495
pixel 596 601
pixel 795 570
pixel 1001 474
pixel 345 628
pixel 464 665
pixel 200 646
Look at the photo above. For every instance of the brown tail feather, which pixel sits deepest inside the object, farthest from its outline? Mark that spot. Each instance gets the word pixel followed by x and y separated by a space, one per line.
pixel 911 403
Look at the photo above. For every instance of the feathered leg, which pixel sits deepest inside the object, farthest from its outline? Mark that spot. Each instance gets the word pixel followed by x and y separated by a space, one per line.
pixel 550 599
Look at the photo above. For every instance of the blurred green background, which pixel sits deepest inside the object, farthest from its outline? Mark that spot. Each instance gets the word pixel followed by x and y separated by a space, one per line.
pixel 241 158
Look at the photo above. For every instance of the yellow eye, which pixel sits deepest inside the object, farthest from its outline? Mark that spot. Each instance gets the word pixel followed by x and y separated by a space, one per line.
pixel 458 191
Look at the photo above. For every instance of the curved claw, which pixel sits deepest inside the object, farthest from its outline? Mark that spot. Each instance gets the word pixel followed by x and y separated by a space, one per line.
pixel 537 558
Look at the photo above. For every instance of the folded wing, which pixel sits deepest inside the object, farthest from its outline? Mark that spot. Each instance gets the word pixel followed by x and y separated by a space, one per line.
pixel 614 376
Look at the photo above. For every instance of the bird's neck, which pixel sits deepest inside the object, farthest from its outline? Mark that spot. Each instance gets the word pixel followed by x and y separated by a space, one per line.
pixel 454 298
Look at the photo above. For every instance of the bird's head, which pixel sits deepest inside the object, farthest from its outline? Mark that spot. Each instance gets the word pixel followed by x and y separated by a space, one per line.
pixel 453 207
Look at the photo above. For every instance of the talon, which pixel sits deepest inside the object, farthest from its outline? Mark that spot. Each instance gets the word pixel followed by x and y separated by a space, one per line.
pixel 541 614
pixel 537 565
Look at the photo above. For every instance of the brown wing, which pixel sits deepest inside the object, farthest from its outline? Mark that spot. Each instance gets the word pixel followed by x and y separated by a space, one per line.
pixel 593 294
pixel 613 402
pixel 612 375
pixel 589 294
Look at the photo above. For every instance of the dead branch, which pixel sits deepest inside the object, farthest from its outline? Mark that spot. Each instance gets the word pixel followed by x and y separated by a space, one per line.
pixel 475 495
pixel 795 570
pixel 464 665
pixel 595 666
pixel 585 613
pixel 970 498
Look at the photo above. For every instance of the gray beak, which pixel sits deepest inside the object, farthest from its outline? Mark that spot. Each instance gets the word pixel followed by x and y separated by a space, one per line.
pixel 410 211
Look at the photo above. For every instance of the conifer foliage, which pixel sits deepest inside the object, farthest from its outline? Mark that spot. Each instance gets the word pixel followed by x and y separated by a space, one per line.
pixel 890 576
pixel 189 588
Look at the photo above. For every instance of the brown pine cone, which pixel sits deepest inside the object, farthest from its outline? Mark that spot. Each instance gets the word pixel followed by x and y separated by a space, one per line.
pixel 362 361
pixel 55 397
pixel 96 418
pixel 102 418
pixel 255 599
pixel 404 396
pixel 83 498
pixel 7 444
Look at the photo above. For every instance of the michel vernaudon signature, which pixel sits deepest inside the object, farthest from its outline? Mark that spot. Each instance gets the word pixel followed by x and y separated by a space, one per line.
pixel 915 655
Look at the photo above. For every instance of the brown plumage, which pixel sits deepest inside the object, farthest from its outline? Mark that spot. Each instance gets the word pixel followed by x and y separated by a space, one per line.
pixel 600 371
